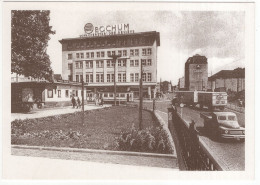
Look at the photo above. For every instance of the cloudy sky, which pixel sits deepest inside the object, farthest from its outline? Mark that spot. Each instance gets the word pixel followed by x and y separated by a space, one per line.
pixel 217 35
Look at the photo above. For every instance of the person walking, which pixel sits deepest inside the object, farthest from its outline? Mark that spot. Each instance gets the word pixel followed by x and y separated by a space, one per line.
pixel 73 101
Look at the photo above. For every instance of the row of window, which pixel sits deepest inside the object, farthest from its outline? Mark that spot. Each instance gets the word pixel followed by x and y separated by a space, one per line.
pixel 134 77
pixel 110 63
pixel 68 93
pixel 110 42
pixel 101 54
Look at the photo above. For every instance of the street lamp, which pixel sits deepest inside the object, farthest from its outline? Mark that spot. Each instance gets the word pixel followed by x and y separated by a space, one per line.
pixel 114 57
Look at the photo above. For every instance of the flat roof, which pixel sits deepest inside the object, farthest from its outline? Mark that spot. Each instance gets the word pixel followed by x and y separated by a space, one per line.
pixel 150 33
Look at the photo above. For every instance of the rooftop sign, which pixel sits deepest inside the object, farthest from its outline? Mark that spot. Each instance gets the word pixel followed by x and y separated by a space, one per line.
pixel 93 31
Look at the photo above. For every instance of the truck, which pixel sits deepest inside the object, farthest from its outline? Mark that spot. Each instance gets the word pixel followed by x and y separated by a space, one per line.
pixel 223 125
pixel 212 100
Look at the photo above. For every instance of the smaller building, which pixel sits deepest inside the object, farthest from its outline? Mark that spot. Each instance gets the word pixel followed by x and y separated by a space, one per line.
pixel 230 80
pixel 181 83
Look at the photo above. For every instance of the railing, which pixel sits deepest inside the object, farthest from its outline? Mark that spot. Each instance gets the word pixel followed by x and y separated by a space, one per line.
pixel 193 152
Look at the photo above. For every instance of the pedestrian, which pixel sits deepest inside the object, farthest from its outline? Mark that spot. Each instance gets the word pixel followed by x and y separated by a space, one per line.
pixel 102 101
pixel 78 103
pixel 73 101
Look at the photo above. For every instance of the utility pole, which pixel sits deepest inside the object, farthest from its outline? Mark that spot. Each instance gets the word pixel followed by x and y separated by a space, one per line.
pixel 141 99
pixel 114 57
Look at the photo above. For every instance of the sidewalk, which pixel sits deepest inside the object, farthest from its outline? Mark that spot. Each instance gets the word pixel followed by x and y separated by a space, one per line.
pixel 52 112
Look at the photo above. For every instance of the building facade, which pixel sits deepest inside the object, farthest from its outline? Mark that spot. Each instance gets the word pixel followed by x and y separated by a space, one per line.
pixel 196 73
pixel 89 59
pixel 229 80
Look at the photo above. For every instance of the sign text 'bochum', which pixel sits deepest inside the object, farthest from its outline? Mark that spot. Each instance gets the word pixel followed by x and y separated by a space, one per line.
pixel 93 31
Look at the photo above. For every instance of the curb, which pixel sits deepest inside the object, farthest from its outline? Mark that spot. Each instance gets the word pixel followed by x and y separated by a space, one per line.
pixel 109 152
pixel 165 127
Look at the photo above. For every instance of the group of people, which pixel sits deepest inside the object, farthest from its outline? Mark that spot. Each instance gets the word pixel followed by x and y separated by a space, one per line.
pixel 76 103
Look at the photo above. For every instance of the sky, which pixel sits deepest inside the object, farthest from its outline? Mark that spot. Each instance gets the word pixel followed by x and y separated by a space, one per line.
pixel 220 36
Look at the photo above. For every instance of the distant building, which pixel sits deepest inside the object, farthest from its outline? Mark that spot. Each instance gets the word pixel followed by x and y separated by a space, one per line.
pixel 196 73
pixel 181 83
pixel 230 80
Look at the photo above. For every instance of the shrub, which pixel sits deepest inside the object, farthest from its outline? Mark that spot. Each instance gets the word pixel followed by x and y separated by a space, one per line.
pixel 152 139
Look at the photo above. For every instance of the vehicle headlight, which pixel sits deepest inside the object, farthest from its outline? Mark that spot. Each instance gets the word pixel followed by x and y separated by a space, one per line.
pixel 226 131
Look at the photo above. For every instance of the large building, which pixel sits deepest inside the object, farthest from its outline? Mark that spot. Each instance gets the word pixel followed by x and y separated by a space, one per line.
pixel 196 73
pixel 228 80
pixel 89 59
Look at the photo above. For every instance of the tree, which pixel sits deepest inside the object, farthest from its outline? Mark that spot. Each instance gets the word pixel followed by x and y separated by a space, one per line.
pixel 30 36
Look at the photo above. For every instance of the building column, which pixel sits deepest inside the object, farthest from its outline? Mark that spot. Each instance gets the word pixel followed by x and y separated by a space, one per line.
pixel 84 70
pixel 149 92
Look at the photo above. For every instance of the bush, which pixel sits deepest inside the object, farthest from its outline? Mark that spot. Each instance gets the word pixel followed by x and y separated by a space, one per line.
pixel 152 139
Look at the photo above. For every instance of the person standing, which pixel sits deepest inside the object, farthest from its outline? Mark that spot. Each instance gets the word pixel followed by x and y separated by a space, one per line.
pixel 78 103
pixel 73 101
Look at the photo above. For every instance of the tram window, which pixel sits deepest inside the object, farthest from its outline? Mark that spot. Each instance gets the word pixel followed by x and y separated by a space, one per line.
pixel 122 95
pixel 117 95
pixel 105 95
pixel 111 95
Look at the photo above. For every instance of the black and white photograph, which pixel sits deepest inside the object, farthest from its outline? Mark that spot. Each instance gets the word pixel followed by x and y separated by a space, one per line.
pixel 118 90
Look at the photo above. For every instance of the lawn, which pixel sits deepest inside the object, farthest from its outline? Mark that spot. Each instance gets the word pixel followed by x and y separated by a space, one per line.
pixel 99 131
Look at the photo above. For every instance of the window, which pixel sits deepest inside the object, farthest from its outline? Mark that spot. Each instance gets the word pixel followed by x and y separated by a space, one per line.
pixel 81 78
pixel 232 118
pixel 136 62
pixel 69 66
pixel 119 52
pixel 149 51
pixel 50 93
pixel 81 55
pixel 124 63
pixel 102 54
pixel 222 118
pixel 131 52
pixel 149 62
pixel 69 56
pixel 87 78
pixel 80 65
pixel 119 62
pixel 87 55
pixel 144 52
pixel 67 93
pixel 98 54
pixel 136 52
pixel 97 77
pixel 132 77
pixel 113 52
pixel 92 54
pixel 143 62
pixel 131 63
pixel 77 65
pixel 102 78
pixel 136 77
pixel 113 78
pixel 77 78
pixel 91 78
pixel 119 77
pixel 108 77
pixel 77 55
pixel 125 53
pixel 108 53
pixel 59 93
pixel 100 63
pixel 144 77
pixel 89 64
pixel 124 77
pixel 149 77
pixel 69 77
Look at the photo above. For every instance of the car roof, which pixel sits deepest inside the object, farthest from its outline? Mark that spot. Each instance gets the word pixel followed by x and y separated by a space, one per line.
pixel 225 114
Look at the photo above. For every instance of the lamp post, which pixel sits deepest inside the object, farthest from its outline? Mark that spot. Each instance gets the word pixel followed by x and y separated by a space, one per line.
pixel 114 57
pixel 141 99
